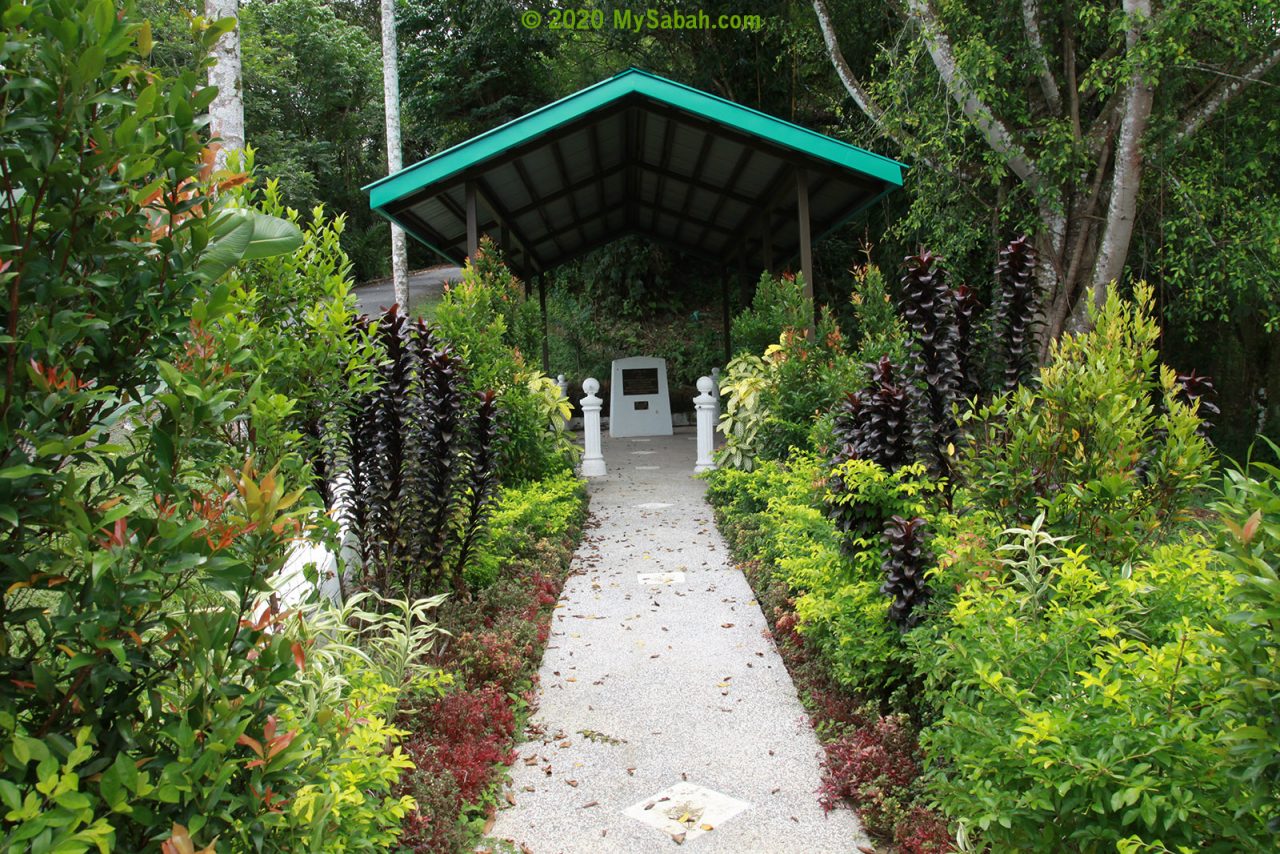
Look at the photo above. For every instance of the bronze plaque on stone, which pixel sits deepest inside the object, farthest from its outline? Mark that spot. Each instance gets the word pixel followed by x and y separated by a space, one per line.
pixel 639 381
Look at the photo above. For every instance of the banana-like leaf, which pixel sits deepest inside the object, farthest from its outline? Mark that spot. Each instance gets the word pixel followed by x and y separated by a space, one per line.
pixel 243 235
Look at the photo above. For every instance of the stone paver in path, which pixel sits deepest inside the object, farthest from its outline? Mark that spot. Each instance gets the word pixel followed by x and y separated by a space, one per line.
pixel 666 716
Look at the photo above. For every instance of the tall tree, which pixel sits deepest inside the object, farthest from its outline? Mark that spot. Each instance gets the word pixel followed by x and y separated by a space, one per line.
pixel 391 100
pixel 226 113
pixel 1059 105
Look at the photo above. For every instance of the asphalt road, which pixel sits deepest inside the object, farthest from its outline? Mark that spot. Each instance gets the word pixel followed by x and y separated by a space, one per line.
pixel 379 295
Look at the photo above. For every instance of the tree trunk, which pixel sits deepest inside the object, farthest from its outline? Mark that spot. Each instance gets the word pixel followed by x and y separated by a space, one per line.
pixel 1126 179
pixel 391 102
pixel 226 113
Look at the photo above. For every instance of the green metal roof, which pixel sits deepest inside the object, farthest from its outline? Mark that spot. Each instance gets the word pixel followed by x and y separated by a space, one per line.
pixel 636 153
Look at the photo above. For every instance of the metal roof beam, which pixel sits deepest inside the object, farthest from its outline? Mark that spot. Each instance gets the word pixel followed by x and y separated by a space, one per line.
pixel 734 175
pixel 504 221
pixel 539 205
pixel 635 151
pixel 664 160
pixel 558 156
pixel 658 210
pixel 597 164
pixel 687 205
pixel 595 177
pixel 698 183
pixel 779 188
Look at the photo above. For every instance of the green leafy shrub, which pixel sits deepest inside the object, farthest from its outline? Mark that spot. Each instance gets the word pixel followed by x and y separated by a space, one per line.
pixel 779 305
pixel 151 691
pixel 489 324
pixel 776 515
pixel 291 316
pixel 1079 702
pixel 771 402
pixel 1071 445
pixel 742 388
pixel 877 329
pixel 1250 657
pixel 338 792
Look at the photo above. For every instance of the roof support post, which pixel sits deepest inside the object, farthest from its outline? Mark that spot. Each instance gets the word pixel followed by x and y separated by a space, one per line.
pixel 806 245
pixel 473 231
pixel 744 281
pixel 542 306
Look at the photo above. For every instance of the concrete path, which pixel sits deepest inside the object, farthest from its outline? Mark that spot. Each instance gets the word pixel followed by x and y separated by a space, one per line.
pixel 666 715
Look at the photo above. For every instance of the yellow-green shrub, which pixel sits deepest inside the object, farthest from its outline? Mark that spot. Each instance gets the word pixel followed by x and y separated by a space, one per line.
pixel 1100 444
pixel 1087 711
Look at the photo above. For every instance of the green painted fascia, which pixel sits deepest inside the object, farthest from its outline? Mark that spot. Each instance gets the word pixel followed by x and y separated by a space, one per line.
pixel 632 81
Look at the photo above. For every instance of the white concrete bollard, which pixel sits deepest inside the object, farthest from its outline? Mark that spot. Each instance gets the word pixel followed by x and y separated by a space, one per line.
pixel 564 393
pixel 705 405
pixel 715 378
pixel 592 459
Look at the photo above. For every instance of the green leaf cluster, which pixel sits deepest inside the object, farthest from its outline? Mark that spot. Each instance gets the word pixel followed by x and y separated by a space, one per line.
pixel 1100 444
pixel 487 320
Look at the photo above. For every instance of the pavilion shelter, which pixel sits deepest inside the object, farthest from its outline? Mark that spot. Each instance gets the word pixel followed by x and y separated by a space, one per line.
pixel 638 154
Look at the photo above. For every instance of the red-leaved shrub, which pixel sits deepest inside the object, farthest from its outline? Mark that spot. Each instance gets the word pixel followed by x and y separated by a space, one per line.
pixel 922 831
pixel 470 733
pixel 872 766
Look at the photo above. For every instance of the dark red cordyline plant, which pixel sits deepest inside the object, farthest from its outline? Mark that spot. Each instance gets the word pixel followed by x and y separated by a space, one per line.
pixel 905 566
pixel 929 309
pixel 1194 387
pixel 438 422
pixel 1016 310
pixel 415 508
pixel 481 483
pixel 966 308
pixel 872 424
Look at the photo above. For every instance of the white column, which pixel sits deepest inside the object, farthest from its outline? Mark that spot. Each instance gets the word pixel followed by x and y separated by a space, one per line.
pixel 592 459
pixel 564 393
pixel 705 405
pixel 715 380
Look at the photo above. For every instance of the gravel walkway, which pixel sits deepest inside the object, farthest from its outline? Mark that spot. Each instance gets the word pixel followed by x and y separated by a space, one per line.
pixel 666 715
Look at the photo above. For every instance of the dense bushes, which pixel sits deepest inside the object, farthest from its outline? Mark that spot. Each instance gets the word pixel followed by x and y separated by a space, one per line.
pixel 771 401
pixel 489 324
pixel 1103 444
pixel 1086 670
pixel 180 365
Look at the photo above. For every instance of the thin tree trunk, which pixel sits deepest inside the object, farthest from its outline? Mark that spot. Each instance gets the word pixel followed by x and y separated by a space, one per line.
pixel 391 102
pixel 226 112
pixel 1048 85
pixel 843 71
pixel 1126 179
